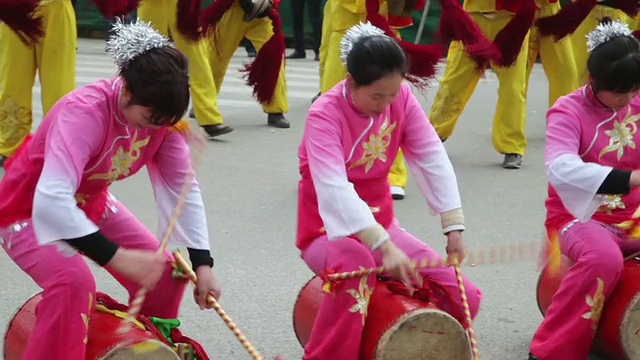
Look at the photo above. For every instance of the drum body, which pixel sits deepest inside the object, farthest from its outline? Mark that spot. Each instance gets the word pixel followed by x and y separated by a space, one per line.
pixel 397 327
pixel 618 329
pixel 103 341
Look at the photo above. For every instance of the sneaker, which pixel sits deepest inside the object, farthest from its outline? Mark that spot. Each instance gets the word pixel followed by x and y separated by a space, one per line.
pixel 512 161
pixel 397 193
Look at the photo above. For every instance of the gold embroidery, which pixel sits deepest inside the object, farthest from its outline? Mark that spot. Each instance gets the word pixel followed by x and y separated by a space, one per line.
pixel 81 199
pixel 610 203
pixel 376 147
pixel 122 161
pixel 362 296
pixel 446 105
pixel 85 318
pixel 595 303
pixel 621 135
pixel 15 123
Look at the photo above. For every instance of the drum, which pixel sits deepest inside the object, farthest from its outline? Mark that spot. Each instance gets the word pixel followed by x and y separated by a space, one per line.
pixel 618 332
pixel 397 326
pixel 141 343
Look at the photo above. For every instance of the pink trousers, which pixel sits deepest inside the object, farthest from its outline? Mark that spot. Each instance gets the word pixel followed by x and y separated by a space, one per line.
pixel 69 288
pixel 338 326
pixel 570 322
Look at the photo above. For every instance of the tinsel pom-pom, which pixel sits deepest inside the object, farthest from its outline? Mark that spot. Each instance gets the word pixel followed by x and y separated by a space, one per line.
pixel 354 34
pixel 606 32
pixel 133 40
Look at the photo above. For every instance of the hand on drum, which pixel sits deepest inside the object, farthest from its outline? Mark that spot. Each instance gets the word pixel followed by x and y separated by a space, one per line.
pixel 398 265
pixel 205 285
pixel 455 247
pixel 140 266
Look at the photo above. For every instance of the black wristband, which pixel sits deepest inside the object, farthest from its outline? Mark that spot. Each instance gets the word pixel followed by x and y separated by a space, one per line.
pixel 617 182
pixel 96 247
pixel 200 257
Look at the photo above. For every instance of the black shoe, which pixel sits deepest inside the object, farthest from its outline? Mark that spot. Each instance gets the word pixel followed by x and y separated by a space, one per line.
pixel 251 53
pixel 2 160
pixel 315 97
pixel 192 114
pixel 278 121
pixel 216 130
pixel 297 55
pixel 531 357
pixel 317 57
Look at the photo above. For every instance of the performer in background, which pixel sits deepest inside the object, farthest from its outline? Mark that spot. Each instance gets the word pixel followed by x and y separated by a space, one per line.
pixel 591 162
pixel 345 210
pixel 55 204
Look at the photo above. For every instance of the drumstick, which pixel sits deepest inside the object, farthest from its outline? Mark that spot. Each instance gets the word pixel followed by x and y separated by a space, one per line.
pixel 491 255
pixel 191 275
pixel 136 303
pixel 467 312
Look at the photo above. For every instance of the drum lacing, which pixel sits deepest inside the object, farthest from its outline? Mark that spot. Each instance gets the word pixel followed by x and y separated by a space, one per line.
pixel 426 293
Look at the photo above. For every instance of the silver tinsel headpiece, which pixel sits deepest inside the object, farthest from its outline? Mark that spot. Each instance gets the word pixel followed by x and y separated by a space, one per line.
pixel 606 32
pixel 354 34
pixel 133 40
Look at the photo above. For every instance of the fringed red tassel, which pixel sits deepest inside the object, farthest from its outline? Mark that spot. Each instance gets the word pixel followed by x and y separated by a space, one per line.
pixel 456 24
pixel 262 74
pixel 510 39
pixel 19 15
pixel 423 59
pixel 114 8
pixel 213 13
pixel 629 7
pixel 188 19
pixel 567 20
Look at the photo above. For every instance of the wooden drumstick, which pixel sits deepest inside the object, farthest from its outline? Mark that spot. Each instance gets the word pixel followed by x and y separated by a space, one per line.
pixel 467 312
pixel 188 272
pixel 138 300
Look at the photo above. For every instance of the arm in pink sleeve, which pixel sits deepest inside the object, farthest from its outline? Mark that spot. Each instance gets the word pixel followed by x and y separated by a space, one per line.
pixel 575 181
pixel 168 169
pixel 343 212
pixel 55 214
pixel 430 164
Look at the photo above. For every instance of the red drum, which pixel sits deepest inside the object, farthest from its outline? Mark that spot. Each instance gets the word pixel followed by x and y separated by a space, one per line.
pixel 141 343
pixel 397 327
pixel 618 332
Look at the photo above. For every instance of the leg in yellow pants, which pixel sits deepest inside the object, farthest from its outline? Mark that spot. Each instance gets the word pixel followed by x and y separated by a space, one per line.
pixel 557 58
pixel 230 30
pixel 460 79
pixel 53 57
pixel 162 15
pixel 326 35
pixel 579 39
pixel 398 172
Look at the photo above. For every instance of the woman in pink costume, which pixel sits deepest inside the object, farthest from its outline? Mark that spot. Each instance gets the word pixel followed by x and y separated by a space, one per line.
pixel 345 210
pixel 592 159
pixel 55 204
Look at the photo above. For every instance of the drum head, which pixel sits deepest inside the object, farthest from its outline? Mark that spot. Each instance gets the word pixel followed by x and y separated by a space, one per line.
pixel 630 329
pixel 144 350
pixel 427 334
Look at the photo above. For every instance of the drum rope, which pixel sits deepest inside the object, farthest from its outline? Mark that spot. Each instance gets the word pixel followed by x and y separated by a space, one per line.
pixel 191 275
pixel 490 255
pixel 136 303
pixel 467 312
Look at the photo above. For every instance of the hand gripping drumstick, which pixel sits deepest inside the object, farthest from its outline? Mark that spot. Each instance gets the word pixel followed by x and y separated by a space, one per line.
pixel 191 275
pixel 136 303
pixel 490 255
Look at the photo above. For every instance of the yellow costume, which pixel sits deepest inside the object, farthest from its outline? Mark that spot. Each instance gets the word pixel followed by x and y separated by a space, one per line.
pixel 163 16
pixel 230 29
pixel 579 37
pixel 461 76
pixel 557 58
pixel 53 57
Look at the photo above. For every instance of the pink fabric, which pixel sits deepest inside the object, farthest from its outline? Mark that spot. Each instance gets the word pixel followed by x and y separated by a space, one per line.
pixel 67 283
pixel 597 253
pixel 337 331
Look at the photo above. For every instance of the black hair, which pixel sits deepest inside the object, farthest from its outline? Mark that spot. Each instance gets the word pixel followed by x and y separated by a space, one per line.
pixel 159 80
pixel 374 57
pixel 615 65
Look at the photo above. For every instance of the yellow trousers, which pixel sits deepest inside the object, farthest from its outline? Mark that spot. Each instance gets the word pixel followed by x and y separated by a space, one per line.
pixel 230 31
pixel 557 58
pixel 460 79
pixel 579 40
pixel 324 41
pixel 162 15
pixel 54 60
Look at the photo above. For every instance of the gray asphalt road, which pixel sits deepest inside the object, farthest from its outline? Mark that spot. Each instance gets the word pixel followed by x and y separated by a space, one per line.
pixel 249 180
